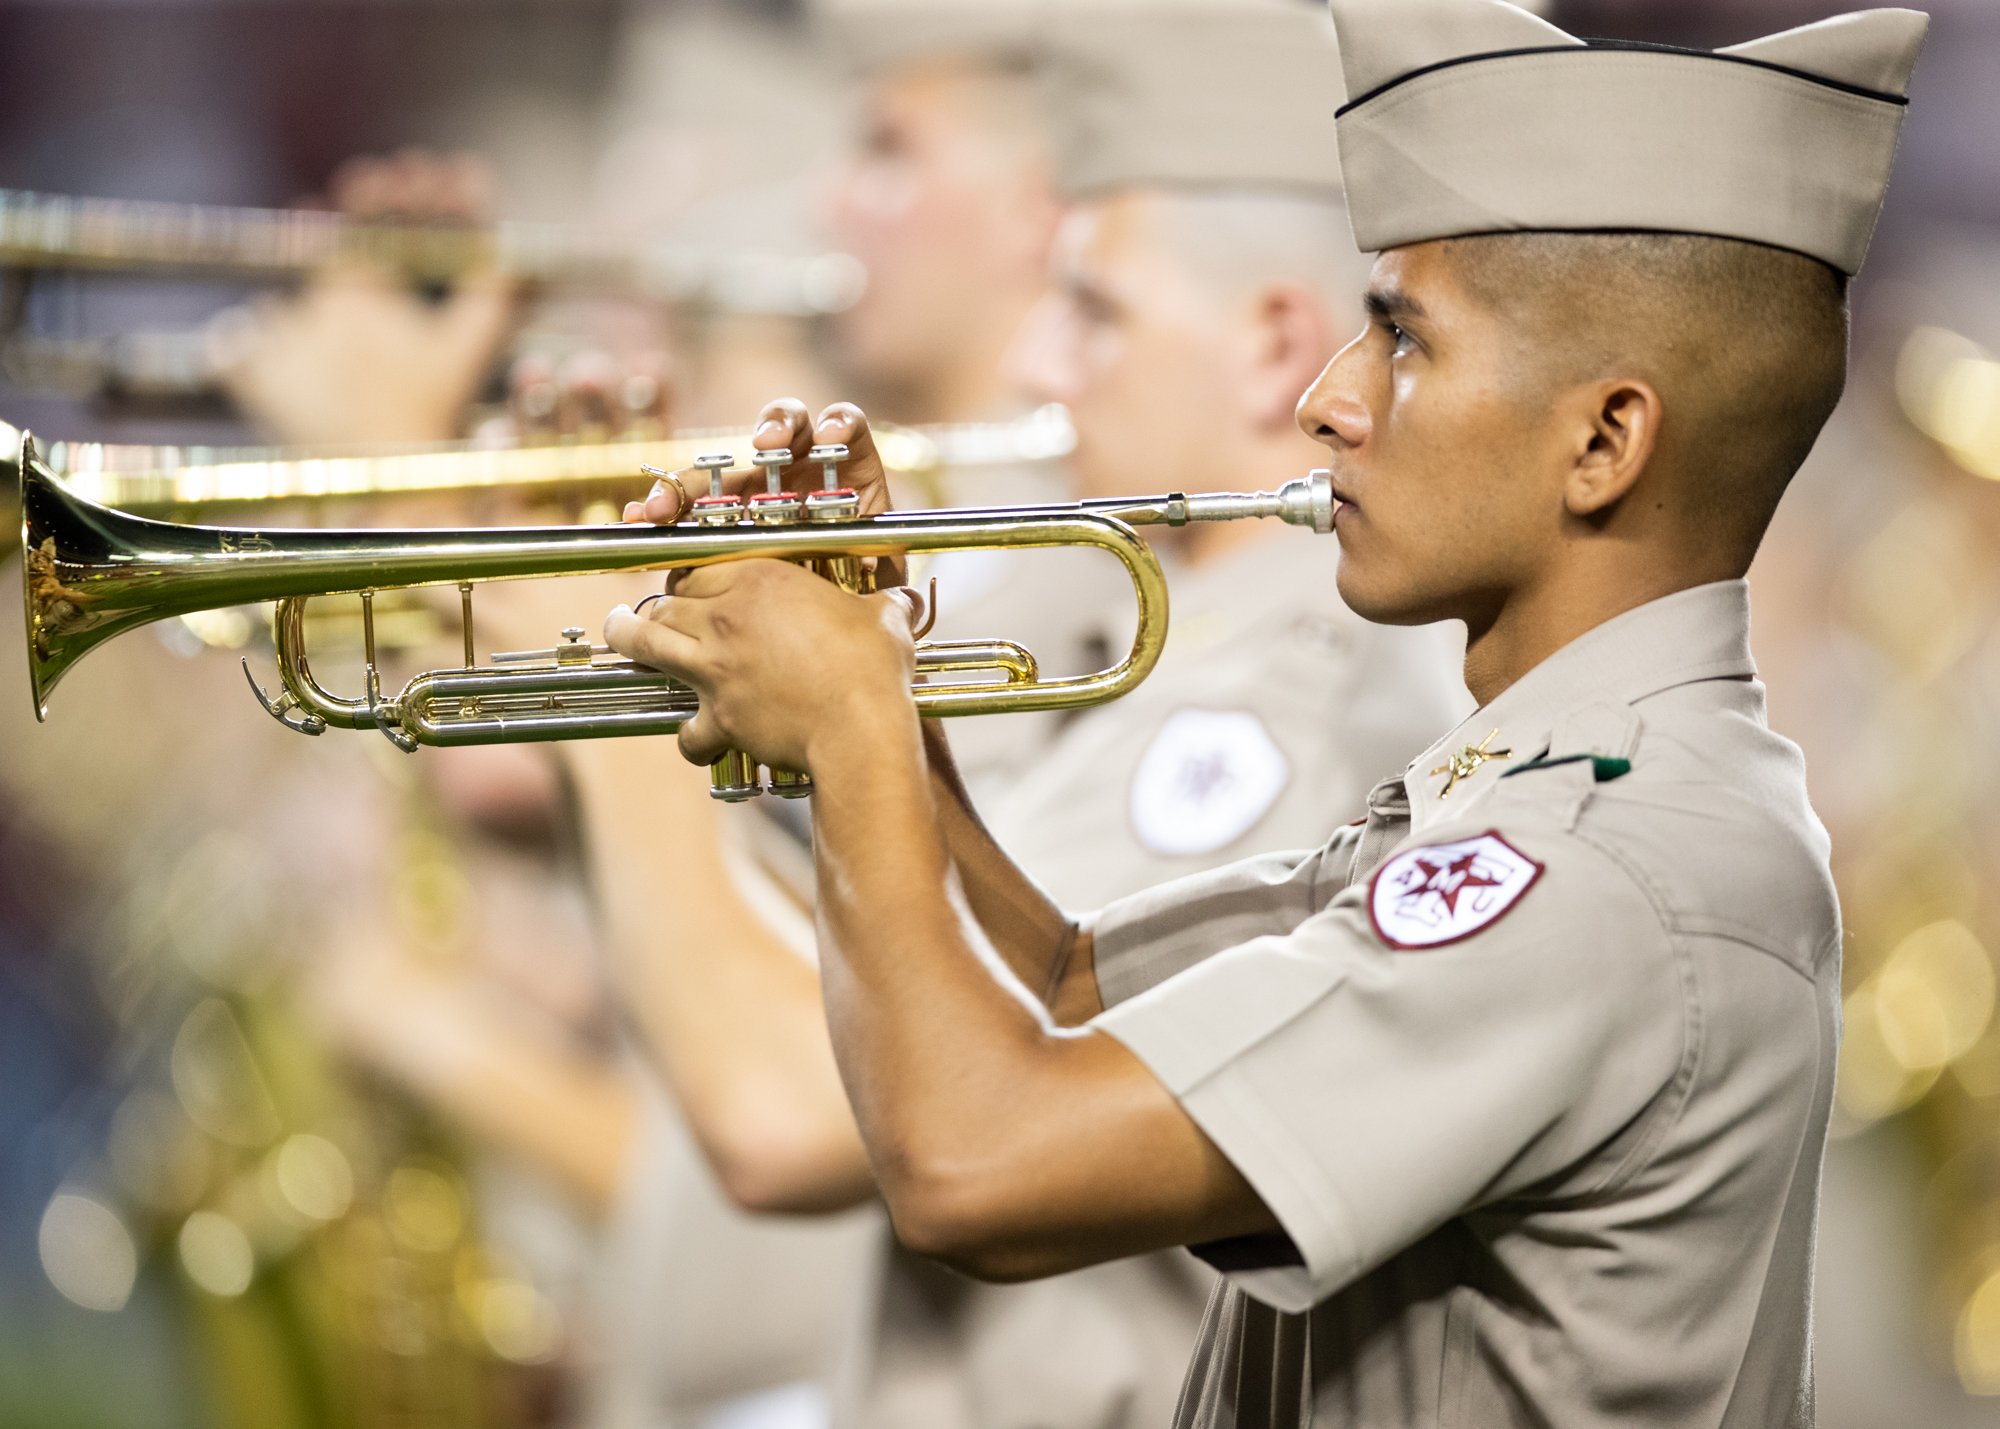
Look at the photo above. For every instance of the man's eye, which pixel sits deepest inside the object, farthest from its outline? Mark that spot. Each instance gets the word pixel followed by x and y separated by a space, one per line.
pixel 1401 343
pixel 1094 310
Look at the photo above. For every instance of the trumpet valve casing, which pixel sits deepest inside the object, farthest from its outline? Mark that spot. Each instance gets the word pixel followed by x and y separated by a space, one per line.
pixel 776 508
pixel 733 778
pixel 717 510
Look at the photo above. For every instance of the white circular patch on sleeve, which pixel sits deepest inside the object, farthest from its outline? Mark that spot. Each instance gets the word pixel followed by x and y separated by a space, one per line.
pixel 1426 897
pixel 1206 778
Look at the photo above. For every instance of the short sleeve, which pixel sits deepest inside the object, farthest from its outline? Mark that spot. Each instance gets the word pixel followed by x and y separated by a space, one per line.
pixel 1371 1090
pixel 1141 941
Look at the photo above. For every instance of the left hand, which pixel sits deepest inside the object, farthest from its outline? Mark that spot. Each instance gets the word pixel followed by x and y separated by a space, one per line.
pixel 783 660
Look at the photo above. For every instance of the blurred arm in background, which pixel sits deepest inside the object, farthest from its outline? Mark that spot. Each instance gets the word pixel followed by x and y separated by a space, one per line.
pixel 359 355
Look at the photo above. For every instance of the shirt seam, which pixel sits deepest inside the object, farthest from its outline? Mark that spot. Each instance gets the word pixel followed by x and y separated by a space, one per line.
pixel 1658 1119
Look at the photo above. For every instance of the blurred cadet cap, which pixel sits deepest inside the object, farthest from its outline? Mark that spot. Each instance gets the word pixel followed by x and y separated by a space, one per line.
pixel 1237 94
pixel 1473 116
pixel 684 157
pixel 873 35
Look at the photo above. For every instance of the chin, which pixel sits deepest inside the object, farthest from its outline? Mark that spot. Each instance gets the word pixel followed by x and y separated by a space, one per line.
pixel 1381 600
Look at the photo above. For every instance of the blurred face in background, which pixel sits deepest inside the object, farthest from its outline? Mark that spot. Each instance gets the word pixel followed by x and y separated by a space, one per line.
pixel 950 206
pixel 1180 359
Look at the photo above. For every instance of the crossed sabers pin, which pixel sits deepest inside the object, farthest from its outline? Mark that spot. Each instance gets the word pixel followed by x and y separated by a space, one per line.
pixel 1465 763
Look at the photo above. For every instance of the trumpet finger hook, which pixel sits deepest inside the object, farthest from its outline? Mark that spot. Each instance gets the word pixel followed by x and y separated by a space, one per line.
pixel 280 709
pixel 919 606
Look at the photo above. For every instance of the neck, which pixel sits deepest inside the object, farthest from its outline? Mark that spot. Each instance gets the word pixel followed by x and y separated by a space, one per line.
pixel 960 379
pixel 1530 623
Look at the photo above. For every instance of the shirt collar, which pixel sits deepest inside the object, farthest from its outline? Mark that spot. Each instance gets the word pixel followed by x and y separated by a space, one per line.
pixel 1702 633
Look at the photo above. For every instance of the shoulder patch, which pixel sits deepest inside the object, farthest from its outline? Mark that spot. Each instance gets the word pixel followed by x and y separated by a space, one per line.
pixel 1207 777
pixel 1427 897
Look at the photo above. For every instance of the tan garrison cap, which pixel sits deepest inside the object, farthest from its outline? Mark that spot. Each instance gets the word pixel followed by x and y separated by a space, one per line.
pixel 1472 116
pixel 1194 93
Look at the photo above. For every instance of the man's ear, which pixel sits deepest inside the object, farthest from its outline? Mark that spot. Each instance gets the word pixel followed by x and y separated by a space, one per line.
pixel 1293 342
pixel 1618 431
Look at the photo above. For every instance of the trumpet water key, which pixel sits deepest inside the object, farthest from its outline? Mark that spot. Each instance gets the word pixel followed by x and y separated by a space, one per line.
pixel 91 573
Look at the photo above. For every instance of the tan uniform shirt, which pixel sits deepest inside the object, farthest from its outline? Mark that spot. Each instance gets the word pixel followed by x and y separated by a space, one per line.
pixel 1535 1076
pixel 1272 713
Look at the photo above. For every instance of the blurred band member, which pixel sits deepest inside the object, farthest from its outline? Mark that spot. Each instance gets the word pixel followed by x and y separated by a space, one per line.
pixel 948 202
pixel 1198 292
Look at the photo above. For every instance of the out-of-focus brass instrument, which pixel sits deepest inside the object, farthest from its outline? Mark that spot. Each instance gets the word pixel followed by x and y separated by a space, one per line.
pixel 267 245
pixel 91 573
pixel 192 481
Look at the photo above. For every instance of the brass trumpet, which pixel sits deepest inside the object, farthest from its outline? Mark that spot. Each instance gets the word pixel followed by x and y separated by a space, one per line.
pixel 40 230
pixel 91 573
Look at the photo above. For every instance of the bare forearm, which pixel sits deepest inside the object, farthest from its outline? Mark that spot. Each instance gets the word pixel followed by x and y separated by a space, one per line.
pixel 1039 941
pixel 907 999
pixel 728 1012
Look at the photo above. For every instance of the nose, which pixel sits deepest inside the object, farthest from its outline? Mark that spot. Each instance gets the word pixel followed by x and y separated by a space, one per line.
pixel 1333 412
pixel 1042 360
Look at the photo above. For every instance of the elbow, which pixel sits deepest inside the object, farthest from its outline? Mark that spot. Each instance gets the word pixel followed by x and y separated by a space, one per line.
pixel 962 1219
pixel 787 1169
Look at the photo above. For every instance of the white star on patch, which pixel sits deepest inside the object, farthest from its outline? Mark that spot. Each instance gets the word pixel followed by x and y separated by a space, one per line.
pixel 1426 897
pixel 1205 779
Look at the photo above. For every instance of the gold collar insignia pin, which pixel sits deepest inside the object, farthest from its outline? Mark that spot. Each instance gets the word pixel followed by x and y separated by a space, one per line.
pixel 1465 763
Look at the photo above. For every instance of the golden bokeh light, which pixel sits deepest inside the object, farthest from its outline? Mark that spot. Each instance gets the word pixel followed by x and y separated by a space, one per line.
pixel 1873 1082
pixel 216 1254
pixel 520 1323
pixel 1976 1345
pixel 1934 996
pixel 1929 1004
pixel 87 1253
pixel 1949 387
pixel 314 1177
pixel 426 1209
pixel 216 1078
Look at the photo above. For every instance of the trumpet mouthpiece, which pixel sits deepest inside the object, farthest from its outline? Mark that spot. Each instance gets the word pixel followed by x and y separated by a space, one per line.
pixel 1308 501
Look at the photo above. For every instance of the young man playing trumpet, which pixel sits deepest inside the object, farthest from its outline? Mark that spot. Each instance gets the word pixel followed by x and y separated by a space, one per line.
pixel 1505 1104
pixel 1194 294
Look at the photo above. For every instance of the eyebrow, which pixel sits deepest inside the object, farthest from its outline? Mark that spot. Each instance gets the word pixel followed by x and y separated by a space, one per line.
pixel 1393 303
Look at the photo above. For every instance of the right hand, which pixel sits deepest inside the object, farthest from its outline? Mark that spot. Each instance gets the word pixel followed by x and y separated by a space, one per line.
pixel 766 645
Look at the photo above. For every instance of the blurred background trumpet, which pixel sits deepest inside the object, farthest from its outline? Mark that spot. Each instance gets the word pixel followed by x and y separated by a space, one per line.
pixel 43 231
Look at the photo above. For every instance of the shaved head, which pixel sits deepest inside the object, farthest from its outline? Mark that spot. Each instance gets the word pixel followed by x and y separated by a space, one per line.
pixel 1746 345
